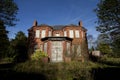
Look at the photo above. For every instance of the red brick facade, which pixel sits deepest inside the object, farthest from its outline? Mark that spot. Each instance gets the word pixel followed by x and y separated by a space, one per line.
pixel 61 43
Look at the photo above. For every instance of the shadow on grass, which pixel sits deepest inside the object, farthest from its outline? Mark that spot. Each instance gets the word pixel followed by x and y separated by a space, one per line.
pixel 12 75
pixel 6 73
pixel 107 73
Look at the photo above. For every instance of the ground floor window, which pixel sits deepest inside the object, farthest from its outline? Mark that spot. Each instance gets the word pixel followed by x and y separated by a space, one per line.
pixel 45 47
pixel 56 51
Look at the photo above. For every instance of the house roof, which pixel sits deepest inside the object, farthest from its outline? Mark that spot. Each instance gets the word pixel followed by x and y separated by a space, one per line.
pixel 60 27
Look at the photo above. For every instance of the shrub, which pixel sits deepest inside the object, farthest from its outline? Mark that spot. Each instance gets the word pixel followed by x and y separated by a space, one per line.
pixel 38 55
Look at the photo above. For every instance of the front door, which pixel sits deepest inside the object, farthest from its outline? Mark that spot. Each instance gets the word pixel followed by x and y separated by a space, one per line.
pixel 56 51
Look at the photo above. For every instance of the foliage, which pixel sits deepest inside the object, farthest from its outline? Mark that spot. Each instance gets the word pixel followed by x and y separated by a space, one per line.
pixel 58 71
pixel 110 61
pixel 108 13
pixel 8 11
pixel 103 38
pixel 6 60
pixel 37 55
pixel 4 42
pixel 104 48
pixel 18 47
pixel 116 48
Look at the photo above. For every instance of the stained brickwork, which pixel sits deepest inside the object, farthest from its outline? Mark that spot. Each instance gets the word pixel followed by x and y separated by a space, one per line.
pixel 68 37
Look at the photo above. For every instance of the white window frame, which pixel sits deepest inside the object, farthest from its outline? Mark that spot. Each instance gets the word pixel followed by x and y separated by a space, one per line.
pixel 49 33
pixel 71 33
pixel 37 33
pixel 77 33
pixel 43 33
pixel 65 33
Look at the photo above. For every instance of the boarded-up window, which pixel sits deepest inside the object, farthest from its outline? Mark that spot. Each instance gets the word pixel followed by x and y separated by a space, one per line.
pixel 77 33
pixel 37 33
pixel 71 34
pixel 65 33
pixel 43 34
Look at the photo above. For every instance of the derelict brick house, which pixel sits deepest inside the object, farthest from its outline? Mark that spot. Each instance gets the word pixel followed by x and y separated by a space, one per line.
pixel 61 42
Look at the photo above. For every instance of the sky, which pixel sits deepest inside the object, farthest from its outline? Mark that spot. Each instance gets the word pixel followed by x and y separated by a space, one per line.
pixel 55 12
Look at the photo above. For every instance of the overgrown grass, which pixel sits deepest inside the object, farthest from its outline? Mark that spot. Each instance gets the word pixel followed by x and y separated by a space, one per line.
pixel 110 61
pixel 6 60
pixel 59 71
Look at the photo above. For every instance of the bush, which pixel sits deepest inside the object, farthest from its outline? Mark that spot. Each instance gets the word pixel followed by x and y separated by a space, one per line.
pixel 6 60
pixel 110 61
pixel 38 55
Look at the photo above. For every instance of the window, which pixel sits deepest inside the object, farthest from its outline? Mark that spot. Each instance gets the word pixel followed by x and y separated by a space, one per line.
pixel 65 33
pixel 71 33
pixel 41 47
pixel 43 34
pixel 37 33
pixel 78 50
pixel 45 47
pixel 49 33
pixel 57 34
pixel 77 33
pixel 68 48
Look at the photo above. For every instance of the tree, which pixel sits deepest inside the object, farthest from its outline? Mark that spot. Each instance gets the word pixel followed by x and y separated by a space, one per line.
pixel 18 47
pixel 103 38
pixel 103 44
pixel 8 11
pixel 108 13
pixel 4 41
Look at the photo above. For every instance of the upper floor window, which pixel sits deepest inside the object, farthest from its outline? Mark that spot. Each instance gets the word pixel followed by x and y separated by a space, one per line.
pixel 77 33
pixel 71 34
pixel 43 33
pixel 65 33
pixel 37 33
pixel 49 33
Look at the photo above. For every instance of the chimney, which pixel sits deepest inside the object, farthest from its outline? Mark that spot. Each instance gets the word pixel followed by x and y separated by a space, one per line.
pixel 35 23
pixel 80 23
